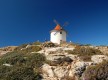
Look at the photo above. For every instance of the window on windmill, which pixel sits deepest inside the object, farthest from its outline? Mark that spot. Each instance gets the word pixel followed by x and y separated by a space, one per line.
pixel 60 40
pixel 60 32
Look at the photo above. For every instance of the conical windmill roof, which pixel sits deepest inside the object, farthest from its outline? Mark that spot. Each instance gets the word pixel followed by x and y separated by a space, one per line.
pixel 58 28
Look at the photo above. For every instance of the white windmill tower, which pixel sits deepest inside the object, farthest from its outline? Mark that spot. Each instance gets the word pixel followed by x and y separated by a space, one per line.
pixel 58 34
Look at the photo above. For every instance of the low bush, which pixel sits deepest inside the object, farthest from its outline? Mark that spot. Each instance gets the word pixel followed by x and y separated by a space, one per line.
pixel 23 66
pixel 12 58
pixel 49 44
pixel 18 73
pixel 28 49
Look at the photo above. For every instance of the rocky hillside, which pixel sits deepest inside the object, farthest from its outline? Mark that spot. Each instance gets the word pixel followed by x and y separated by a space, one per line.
pixel 48 61
pixel 5 50
pixel 69 63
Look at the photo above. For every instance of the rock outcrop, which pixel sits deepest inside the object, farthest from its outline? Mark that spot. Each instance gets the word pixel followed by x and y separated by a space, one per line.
pixel 70 69
pixel 99 58
pixel 103 49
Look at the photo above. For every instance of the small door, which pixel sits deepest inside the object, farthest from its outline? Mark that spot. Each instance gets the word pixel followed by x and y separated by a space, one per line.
pixel 61 32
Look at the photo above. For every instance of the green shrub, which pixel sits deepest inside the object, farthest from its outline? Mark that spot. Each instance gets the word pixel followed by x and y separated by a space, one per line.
pixel 35 60
pixel 18 73
pixel 23 66
pixel 19 59
pixel 12 58
pixel 4 72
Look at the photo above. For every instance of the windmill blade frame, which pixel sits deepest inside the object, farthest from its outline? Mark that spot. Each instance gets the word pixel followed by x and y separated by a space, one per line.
pixel 56 33
pixel 65 24
pixel 55 21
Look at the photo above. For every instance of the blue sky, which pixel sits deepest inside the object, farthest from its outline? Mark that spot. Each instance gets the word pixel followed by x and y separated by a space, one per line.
pixel 24 21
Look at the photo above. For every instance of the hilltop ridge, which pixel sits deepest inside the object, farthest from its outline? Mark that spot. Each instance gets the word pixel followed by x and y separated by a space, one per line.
pixel 49 61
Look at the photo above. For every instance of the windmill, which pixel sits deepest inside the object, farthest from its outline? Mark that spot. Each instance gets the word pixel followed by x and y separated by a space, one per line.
pixel 58 34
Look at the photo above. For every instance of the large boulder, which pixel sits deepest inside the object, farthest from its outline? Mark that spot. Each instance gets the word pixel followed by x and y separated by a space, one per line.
pixel 61 71
pixel 98 58
pixel 77 68
pixel 47 69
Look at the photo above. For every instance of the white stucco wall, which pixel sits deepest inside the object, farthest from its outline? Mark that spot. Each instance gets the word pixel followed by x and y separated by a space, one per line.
pixel 57 37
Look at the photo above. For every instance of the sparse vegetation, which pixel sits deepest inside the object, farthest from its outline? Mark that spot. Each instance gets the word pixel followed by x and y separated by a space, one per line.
pixel 98 72
pixel 49 44
pixel 36 43
pixel 24 49
pixel 68 78
pixel 84 53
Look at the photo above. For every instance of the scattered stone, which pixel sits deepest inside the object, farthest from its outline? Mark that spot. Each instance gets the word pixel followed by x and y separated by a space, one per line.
pixel 7 65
